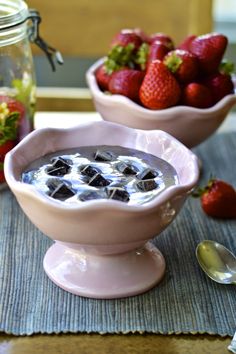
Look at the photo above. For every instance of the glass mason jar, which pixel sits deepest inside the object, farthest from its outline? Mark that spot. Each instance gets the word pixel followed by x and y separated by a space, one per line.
pixel 18 27
pixel 17 77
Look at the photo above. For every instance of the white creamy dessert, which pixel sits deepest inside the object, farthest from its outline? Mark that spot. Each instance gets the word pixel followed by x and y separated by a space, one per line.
pixel 100 172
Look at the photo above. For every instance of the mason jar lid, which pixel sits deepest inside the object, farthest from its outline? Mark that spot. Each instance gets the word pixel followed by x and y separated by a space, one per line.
pixel 12 13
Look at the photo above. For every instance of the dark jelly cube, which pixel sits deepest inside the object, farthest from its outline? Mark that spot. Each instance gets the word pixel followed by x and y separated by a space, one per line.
pixel 98 181
pixel 62 192
pixel 103 155
pixel 117 193
pixel 127 169
pixel 60 162
pixel 146 185
pixel 53 183
pixel 57 171
pixel 89 195
pixel 89 171
pixel 147 174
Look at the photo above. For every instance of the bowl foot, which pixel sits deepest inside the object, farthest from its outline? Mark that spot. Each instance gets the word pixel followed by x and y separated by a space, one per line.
pixel 104 277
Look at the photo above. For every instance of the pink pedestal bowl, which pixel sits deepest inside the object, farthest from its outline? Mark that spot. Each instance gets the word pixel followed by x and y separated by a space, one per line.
pixel 102 248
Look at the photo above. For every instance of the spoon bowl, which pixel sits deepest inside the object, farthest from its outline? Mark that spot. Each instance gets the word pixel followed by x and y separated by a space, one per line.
pixel 217 262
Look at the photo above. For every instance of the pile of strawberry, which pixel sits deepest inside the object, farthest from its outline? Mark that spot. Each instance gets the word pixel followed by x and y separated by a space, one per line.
pixel 154 73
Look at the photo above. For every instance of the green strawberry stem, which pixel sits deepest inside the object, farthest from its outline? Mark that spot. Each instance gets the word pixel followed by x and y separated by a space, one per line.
pixel 142 56
pixel 173 62
pixel 8 127
pixel 199 191
pixel 226 67
pixel 119 57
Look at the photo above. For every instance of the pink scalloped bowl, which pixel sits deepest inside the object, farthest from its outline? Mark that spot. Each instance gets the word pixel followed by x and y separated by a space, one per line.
pixel 189 125
pixel 101 247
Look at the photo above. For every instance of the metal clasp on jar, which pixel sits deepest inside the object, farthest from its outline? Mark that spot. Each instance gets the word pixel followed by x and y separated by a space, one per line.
pixel 34 37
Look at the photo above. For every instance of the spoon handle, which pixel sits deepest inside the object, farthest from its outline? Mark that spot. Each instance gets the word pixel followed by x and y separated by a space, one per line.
pixel 232 346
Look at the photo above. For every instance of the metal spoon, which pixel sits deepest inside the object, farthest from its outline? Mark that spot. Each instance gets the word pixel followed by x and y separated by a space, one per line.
pixel 217 262
pixel 220 265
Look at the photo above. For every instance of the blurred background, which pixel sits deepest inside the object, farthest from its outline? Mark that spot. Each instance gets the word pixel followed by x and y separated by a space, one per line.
pixel 82 30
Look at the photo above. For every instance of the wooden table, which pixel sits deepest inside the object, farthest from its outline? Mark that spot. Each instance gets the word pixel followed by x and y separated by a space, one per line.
pixel 112 343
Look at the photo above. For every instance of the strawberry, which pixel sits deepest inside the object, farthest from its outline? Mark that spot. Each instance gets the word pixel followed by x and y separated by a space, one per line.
pixel 159 88
pixel 221 83
pixel 120 57
pixel 2 176
pixel 125 37
pixel 126 82
pixel 163 38
pixel 196 95
pixel 186 42
pixel 183 64
pixel 218 199
pixel 13 105
pixel 209 49
pixel 102 78
pixel 157 50
pixel 220 86
pixel 5 147
pixel 144 37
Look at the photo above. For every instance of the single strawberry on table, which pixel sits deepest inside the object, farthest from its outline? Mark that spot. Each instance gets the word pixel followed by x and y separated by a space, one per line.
pixel 159 88
pixel 218 199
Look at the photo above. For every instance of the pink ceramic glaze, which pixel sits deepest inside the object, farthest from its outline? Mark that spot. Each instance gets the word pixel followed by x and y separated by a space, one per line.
pixel 101 247
pixel 189 125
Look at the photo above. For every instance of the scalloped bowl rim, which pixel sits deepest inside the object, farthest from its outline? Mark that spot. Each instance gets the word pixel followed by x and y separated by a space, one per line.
pixel 164 114
pixel 21 188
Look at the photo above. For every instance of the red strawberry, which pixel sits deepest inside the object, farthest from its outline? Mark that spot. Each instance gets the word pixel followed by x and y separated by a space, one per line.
pixel 186 42
pixel 183 64
pixel 159 88
pixel 144 37
pixel 13 105
pixel 163 38
pixel 125 37
pixel 218 199
pixel 102 78
pixel 209 49
pixel 197 95
pixel 220 85
pixel 126 82
pixel 157 50
pixel 5 147
pixel 2 176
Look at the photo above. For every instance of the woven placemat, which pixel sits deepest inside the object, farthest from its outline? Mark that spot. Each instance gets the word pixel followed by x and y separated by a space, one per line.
pixel 186 301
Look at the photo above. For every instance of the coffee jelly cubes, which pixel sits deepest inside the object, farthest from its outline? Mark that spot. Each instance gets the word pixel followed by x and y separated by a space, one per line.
pixel 117 193
pixel 59 167
pixel 102 175
pixel 60 190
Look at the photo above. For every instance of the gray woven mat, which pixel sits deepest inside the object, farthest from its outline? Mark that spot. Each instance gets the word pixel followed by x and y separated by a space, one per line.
pixel 185 301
